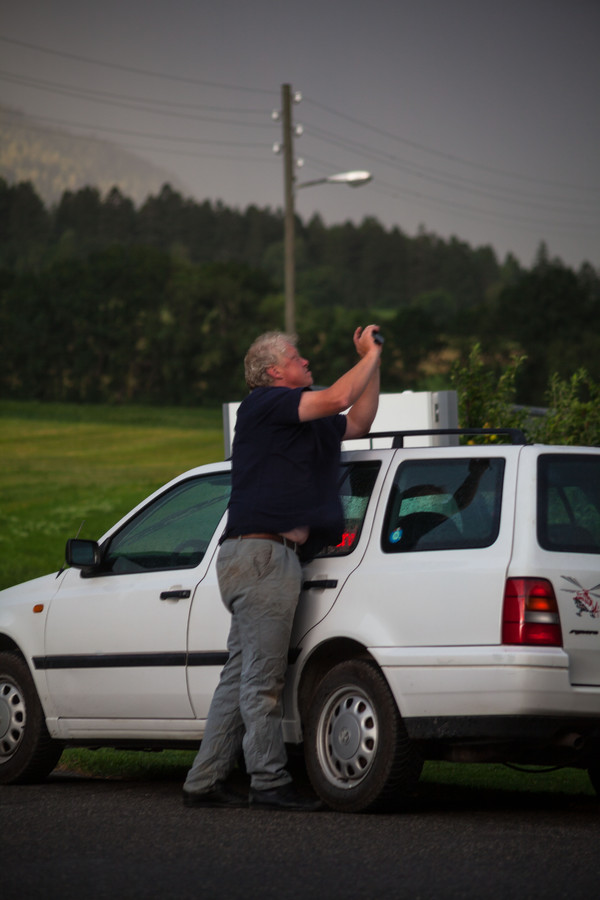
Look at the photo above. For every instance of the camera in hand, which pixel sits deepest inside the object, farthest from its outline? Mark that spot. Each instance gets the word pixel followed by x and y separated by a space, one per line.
pixel 378 337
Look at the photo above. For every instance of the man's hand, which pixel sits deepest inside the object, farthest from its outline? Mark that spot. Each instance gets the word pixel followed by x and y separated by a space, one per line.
pixel 357 388
pixel 363 340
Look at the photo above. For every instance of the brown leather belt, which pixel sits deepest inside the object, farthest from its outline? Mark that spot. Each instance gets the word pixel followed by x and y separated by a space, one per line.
pixel 265 536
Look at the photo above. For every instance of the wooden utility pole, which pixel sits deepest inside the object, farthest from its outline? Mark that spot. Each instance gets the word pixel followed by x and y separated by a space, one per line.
pixel 288 191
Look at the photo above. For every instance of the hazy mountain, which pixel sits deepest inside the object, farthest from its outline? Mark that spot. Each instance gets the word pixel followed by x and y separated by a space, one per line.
pixel 56 161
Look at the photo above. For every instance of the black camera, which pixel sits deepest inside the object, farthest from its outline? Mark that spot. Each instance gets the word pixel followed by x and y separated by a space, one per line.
pixel 378 337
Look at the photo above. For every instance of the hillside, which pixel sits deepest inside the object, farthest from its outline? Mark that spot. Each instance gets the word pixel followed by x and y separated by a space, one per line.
pixel 56 161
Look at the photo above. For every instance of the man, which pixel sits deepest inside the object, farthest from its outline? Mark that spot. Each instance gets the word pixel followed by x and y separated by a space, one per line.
pixel 284 501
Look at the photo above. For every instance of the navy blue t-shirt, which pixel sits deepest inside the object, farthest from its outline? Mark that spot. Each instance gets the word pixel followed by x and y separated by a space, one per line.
pixel 285 472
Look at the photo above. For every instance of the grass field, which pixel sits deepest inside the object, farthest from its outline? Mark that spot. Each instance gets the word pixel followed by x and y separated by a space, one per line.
pixel 64 465
pixel 173 765
pixel 67 464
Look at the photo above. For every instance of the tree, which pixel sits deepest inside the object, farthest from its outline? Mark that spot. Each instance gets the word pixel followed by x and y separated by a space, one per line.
pixel 24 226
pixel 573 415
pixel 550 315
pixel 117 219
pixel 486 395
pixel 79 214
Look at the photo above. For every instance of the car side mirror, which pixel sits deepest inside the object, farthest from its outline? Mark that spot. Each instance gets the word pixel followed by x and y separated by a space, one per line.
pixel 82 554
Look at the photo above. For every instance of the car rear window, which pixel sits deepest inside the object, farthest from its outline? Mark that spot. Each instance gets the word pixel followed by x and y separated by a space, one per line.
pixel 568 507
pixel 444 504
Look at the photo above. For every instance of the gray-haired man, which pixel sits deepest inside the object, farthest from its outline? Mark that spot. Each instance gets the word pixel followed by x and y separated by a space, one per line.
pixel 284 501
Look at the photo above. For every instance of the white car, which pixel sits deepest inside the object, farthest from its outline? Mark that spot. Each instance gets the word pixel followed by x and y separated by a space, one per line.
pixel 458 619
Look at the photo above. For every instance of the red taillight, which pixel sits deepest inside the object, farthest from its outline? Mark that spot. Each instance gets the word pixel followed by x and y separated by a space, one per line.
pixel 530 613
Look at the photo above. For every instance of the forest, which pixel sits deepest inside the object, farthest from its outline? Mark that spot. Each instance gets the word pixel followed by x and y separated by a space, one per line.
pixel 105 301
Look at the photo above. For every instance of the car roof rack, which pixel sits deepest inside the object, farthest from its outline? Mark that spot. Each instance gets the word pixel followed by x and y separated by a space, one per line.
pixel 516 436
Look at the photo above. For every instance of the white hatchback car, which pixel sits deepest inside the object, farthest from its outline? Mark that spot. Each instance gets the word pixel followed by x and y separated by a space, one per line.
pixel 458 619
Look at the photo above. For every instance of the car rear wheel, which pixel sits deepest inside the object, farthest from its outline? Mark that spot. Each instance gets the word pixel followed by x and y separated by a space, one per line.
pixel 358 754
pixel 27 753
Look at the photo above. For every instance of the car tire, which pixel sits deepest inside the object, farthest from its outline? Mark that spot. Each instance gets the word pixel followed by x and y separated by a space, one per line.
pixel 358 754
pixel 27 752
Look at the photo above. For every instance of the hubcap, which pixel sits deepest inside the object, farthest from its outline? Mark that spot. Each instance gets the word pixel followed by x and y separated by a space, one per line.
pixel 12 719
pixel 347 737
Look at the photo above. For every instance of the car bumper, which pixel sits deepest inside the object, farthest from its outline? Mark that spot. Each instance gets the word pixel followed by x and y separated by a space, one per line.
pixel 467 682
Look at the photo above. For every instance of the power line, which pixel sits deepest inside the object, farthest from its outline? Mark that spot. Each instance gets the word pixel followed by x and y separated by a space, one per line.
pixel 430 174
pixel 115 100
pixel 356 121
pixel 458 182
pixel 162 137
pixel 443 154
pixel 125 101
pixel 134 69
pixel 92 94
pixel 394 191
pixel 489 215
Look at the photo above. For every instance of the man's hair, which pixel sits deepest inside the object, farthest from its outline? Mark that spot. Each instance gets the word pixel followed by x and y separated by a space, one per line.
pixel 266 351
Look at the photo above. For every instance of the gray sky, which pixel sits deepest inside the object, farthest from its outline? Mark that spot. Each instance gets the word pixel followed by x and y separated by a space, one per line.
pixel 479 119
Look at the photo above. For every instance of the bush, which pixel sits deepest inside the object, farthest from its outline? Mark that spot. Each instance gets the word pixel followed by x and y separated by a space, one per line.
pixel 486 399
pixel 573 415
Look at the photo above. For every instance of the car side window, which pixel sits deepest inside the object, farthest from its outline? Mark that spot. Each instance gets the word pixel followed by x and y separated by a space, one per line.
pixel 568 516
pixel 357 481
pixel 173 531
pixel 444 504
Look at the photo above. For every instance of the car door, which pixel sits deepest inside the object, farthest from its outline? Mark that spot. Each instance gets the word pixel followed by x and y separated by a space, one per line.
pixel 116 641
pixel 432 572
pixel 323 578
pixel 437 570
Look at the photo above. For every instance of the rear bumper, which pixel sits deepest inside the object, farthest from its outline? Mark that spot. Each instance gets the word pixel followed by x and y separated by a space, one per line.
pixel 484 683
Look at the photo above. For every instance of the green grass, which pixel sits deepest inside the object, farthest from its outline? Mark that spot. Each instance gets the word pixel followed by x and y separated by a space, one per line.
pixel 173 765
pixel 495 776
pixel 127 764
pixel 68 464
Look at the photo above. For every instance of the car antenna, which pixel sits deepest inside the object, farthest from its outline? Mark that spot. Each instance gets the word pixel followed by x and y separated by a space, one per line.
pixel 64 565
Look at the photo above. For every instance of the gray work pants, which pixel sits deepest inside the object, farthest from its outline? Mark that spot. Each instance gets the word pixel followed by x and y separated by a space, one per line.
pixel 260 584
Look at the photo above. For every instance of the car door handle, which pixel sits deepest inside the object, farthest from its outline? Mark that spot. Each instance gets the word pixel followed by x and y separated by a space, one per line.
pixel 320 583
pixel 175 595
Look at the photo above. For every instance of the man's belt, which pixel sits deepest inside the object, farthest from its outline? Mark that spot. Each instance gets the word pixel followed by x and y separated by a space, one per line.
pixel 266 536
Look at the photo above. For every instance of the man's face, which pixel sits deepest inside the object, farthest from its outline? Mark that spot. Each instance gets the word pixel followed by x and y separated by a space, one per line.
pixel 293 370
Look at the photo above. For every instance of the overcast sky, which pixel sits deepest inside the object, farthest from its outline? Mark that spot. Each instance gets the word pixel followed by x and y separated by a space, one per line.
pixel 478 119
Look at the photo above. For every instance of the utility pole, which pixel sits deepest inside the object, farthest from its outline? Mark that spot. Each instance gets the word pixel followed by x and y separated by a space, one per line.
pixel 288 193
pixel 354 179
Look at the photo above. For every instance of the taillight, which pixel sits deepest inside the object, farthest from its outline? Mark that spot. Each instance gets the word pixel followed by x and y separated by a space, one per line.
pixel 530 613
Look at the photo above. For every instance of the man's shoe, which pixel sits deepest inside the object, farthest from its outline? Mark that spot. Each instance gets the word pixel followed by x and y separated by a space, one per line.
pixel 284 797
pixel 218 796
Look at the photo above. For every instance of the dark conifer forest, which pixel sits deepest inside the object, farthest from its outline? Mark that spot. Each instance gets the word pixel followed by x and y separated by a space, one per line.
pixel 103 300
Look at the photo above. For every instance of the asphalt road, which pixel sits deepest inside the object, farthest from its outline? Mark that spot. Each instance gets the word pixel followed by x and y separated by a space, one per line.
pixel 86 838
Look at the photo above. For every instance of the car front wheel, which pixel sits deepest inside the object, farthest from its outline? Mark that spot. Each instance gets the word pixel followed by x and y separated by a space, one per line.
pixel 27 753
pixel 358 754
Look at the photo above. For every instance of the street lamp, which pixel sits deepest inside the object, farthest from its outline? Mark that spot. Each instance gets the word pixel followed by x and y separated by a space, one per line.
pixel 353 179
